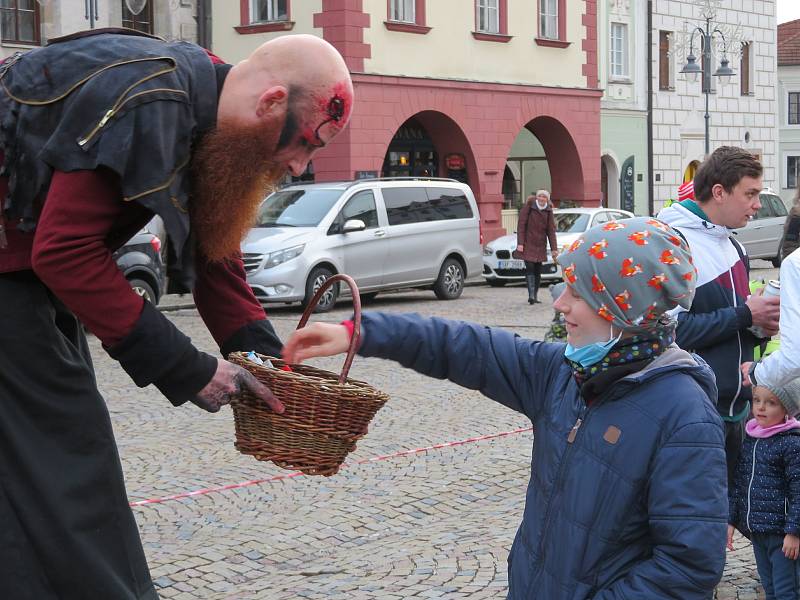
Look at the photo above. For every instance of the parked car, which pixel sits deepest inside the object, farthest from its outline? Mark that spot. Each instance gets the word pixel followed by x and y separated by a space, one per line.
pixel 499 268
pixel 762 237
pixel 140 260
pixel 386 233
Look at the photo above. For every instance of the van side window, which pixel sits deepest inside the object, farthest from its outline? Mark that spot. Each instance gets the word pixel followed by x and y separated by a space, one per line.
pixel 419 205
pixel 406 205
pixel 449 203
pixel 361 206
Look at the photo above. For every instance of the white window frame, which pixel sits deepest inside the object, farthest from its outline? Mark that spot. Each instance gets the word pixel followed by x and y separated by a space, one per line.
pixel 485 9
pixel 789 91
pixel 548 19
pixel 272 11
pixel 403 11
pixel 618 52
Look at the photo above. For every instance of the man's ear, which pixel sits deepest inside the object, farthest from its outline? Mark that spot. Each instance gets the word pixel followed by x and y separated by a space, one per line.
pixel 716 192
pixel 273 101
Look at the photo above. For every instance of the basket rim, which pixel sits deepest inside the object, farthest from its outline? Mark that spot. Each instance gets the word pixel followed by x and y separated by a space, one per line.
pixel 313 380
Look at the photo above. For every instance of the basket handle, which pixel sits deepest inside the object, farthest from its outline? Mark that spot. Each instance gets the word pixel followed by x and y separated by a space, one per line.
pixel 356 337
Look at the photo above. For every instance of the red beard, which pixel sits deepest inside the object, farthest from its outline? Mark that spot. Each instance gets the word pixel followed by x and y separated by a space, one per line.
pixel 231 172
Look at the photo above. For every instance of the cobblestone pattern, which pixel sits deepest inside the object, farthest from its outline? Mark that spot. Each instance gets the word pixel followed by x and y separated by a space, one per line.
pixel 436 524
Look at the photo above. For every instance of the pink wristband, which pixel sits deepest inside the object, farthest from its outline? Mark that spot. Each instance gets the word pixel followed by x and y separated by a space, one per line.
pixel 350 328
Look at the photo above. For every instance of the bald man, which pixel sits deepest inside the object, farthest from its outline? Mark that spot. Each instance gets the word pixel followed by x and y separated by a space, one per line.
pixel 100 131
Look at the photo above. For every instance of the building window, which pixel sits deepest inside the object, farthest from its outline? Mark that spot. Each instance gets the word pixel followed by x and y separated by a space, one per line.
pixel 403 11
pixel 794 108
pixel 142 22
pixel 792 171
pixel 488 16
pixel 619 50
pixel 665 71
pixel 745 84
pixel 268 11
pixel 548 19
pixel 20 21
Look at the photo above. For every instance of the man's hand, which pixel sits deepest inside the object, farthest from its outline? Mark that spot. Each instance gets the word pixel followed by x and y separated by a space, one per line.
pixel 730 537
pixel 766 311
pixel 791 546
pixel 319 339
pixel 745 369
pixel 229 381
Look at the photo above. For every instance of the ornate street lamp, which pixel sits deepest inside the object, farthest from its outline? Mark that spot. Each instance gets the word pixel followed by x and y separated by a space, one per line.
pixel 691 69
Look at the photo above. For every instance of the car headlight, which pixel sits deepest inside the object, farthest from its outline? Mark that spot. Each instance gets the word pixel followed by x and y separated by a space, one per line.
pixel 487 251
pixel 281 256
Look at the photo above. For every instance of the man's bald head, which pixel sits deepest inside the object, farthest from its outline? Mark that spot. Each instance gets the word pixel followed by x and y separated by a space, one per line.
pixel 303 70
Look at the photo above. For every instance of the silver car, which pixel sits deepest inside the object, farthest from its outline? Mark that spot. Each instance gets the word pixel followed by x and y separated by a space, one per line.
pixel 385 233
pixel 763 235
pixel 500 268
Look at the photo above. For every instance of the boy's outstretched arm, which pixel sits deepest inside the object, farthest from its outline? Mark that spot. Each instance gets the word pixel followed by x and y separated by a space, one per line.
pixel 504 367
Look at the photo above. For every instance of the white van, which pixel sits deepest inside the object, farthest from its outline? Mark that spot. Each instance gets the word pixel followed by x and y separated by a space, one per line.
pixel 385 233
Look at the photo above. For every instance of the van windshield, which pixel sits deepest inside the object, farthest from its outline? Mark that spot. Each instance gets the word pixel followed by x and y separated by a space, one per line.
pixel 296 208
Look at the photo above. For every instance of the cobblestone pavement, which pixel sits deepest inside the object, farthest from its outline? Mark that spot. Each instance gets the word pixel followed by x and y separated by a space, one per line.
pixel 430 524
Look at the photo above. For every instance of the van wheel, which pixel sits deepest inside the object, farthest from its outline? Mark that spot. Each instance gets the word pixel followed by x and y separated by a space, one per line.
pixel 450 282
pixel 143 289
pixel 315 280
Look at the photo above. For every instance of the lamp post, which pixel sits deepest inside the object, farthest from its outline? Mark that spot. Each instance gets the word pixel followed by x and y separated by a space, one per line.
pixel 691 69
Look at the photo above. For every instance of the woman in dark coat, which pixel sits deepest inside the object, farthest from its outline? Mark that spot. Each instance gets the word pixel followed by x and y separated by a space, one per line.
pixel 536 226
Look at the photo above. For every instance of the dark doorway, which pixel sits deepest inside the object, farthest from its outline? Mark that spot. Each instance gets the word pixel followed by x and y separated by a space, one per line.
pixel 411 153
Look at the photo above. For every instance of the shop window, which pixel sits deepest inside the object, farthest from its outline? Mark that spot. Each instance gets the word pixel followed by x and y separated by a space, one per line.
pixel 619 51
pixel 142 22
pixel 20 21
pixel 666 74
pixel 794 108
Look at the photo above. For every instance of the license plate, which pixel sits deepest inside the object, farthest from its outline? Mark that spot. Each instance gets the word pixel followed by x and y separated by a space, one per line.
pixel 511 264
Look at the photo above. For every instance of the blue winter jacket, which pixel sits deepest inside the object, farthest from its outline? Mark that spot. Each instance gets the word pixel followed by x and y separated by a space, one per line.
pixel 628 497
pixel 766 493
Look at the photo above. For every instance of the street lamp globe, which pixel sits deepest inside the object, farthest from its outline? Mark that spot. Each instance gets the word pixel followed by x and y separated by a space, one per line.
pixel 725 73
pixel 691 69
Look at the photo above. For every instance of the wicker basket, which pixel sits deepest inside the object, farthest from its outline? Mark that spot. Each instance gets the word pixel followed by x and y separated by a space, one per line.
pixel 325 413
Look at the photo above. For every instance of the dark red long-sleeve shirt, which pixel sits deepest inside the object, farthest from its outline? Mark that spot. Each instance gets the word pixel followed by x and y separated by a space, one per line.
pixel 83 221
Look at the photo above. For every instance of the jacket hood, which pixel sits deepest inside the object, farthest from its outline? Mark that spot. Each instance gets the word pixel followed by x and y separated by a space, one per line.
pixel 675 359
pixel 682 218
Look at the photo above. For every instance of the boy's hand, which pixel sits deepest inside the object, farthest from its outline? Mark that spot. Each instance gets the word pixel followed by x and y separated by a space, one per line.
pixel 730 537
pixel 791 546
pixel 319 339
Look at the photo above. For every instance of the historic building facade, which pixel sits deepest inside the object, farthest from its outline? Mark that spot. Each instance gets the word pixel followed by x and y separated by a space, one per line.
pixel 445 88
pixel 742 111
pixel 789 110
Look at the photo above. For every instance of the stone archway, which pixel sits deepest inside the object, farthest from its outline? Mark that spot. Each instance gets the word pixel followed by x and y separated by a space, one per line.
pixel 563 159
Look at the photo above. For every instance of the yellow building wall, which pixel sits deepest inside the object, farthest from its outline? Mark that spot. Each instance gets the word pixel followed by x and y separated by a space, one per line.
pixel 449 51
pixel 233 46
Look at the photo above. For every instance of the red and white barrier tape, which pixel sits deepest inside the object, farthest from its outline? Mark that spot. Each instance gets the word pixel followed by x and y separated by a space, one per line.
pixel 243 484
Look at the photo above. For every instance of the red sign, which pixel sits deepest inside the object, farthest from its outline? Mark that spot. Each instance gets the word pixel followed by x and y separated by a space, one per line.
pixel 455 162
